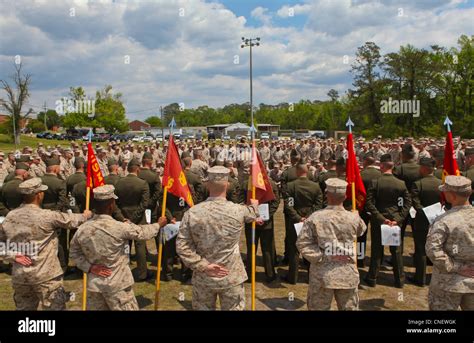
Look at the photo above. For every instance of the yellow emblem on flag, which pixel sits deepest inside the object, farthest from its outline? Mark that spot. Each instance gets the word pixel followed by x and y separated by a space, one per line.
pixel 170 183
pixel 260 181
pixel 182 179
pixel 190 199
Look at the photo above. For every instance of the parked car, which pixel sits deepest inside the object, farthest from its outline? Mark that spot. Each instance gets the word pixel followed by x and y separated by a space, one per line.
pixel 264 135
pixel 227 137
pixel 42 134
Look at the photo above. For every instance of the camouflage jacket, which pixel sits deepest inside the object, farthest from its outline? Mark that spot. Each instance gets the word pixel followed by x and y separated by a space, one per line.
pixel 210 233
pixel 37 228
pixel 331 231
pixel 103 240
pixel 450 245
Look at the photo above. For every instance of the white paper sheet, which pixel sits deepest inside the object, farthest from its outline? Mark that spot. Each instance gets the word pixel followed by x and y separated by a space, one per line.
pixel 148 215
pixel 433 211
pixel 264 211
pixel 391 235
pixel 298 227
pixel 412 212
pixel 170 231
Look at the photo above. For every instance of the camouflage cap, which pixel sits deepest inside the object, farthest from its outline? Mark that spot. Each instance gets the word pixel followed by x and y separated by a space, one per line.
pixel 457 184
pixel 105 192
pixel 218 173
pixel 335 185
pixel 32 186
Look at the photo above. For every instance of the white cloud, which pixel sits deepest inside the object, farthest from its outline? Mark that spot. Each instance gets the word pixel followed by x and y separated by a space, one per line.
pixel 261 14
pixel 184 51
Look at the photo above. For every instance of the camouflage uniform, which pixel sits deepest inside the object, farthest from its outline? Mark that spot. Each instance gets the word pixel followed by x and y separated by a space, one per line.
pixel 210 233
pixel 66 168
pixel 449 246
pixel 40 283
pixel 103 240
pixel 337 228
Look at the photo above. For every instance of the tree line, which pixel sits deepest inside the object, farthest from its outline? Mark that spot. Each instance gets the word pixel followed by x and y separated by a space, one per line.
pixel 439 80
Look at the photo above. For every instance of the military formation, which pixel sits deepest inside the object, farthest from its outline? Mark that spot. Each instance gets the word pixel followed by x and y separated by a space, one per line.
pixel 43 203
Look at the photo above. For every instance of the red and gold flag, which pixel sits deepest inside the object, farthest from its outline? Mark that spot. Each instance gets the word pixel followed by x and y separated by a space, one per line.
pixel 259 179
pixel 94 174
pixel 353 176
pixel 450 166
pixel 173 176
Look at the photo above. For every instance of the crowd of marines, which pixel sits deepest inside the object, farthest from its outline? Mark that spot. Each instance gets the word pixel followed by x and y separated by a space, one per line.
pixel 43 200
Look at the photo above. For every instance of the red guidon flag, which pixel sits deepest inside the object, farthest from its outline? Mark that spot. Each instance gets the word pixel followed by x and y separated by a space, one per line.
pixel 353 176
pixel 450 166
pixel 94 174
pixel 173 176
pixel 259 179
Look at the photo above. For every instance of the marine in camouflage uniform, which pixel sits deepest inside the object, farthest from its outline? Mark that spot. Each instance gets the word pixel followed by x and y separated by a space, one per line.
pixel 37 281
pixel 325 234
pixel 103 241
pixel 449 245
pixel 208 243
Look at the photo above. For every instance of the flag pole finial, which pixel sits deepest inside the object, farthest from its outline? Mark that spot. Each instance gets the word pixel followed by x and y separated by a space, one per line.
pixel 448 123
pixel 349 124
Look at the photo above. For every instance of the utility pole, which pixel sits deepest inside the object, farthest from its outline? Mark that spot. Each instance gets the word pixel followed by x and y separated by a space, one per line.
pixel 250 42
pixel 44 112
pixel 162 128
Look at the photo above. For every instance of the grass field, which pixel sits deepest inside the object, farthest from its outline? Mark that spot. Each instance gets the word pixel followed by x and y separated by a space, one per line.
pixel 6 144
pixel 275 296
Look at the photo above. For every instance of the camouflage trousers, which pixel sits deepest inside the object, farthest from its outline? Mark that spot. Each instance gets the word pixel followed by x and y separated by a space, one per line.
pixel 440 300
pixel 320 298
pixel 230 299
pixel 123 300
pixel 50 295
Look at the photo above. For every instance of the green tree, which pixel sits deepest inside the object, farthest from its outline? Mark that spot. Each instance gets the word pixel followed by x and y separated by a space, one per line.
pixel 52 119
pixel 109 111
pixel 154 121
pixel 35 125
pixel 367 81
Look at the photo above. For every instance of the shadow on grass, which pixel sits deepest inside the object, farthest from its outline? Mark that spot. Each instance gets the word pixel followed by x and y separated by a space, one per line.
pixel 143 301
pixel 282 303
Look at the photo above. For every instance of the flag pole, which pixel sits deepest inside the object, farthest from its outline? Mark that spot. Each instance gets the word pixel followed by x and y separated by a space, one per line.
pixel 84 274
pixel 160 253
pixel 88 197
pixel 350 124
pixel 253 255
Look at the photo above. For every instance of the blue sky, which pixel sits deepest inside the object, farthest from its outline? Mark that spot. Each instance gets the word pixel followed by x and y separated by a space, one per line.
pixel 187 51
